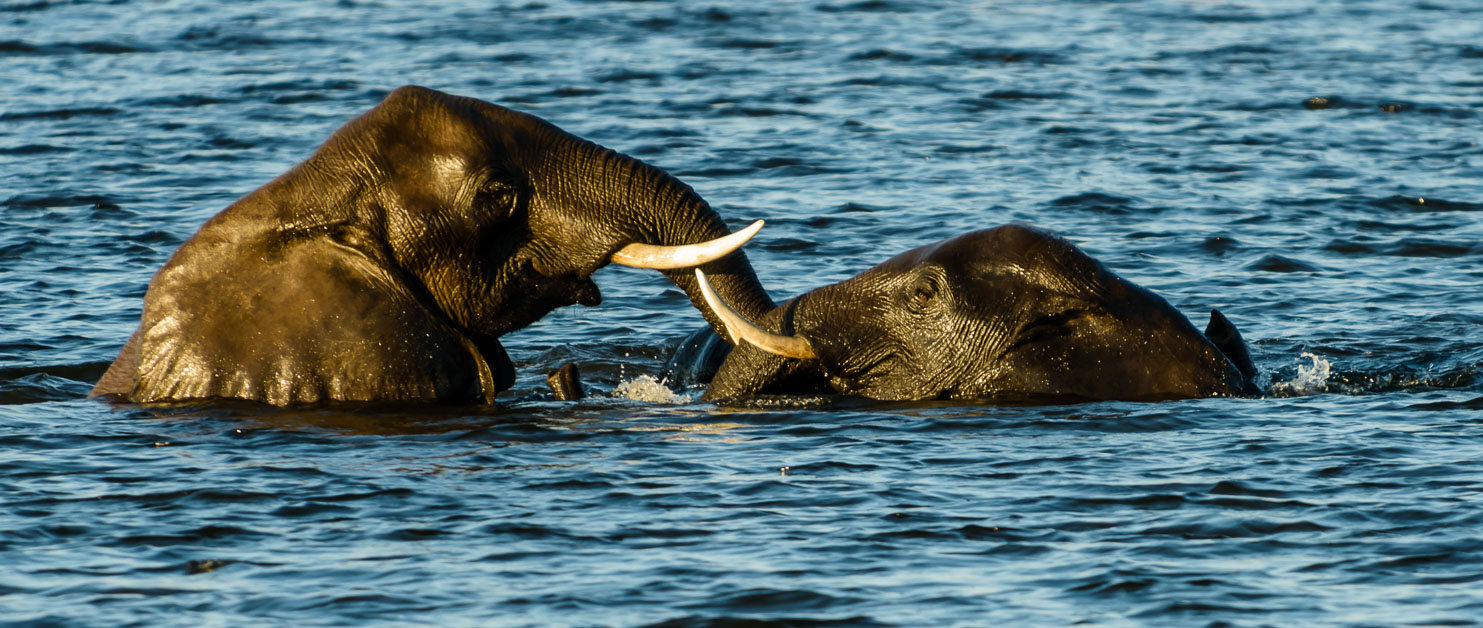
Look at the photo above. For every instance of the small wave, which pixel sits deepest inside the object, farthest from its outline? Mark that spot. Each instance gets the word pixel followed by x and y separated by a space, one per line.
pixel 648 389
pixel 874 6
pixel 34 149
pixel 1003 55
pixel 1421 204
pixel 66 48
pixel 65 113
pixel 881 53
pixel 39 388
pixel 1280 264
pixel 625 76
pixel 1311 379
pixel 1100 202
pixel 49 201
pixel 181 100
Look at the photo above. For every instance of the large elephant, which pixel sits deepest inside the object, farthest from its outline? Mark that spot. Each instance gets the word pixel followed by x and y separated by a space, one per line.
pixel 387 265
pixel 1005 313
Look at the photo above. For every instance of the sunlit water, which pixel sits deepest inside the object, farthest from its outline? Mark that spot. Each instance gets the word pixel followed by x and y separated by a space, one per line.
pixel 1311 169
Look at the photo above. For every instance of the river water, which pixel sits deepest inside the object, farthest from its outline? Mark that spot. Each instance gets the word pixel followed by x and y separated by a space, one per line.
pixel 1313 169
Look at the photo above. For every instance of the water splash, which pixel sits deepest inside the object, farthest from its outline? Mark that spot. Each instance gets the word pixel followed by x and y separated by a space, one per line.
pixel 647 388
pixel 1310 379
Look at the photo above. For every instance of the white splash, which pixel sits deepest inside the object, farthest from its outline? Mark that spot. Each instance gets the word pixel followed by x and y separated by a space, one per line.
pixel 647 388
pixel 1309 380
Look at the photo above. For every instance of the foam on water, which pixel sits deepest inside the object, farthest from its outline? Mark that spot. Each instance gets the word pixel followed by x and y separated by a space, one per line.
pixel 648 389
pixel 1311 378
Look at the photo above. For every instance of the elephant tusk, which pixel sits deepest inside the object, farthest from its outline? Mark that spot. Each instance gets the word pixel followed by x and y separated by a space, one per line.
pixel 739 328
pixel 639 255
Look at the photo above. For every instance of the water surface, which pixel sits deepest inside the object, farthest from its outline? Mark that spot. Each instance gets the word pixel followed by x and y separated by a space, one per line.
pixel 1312 169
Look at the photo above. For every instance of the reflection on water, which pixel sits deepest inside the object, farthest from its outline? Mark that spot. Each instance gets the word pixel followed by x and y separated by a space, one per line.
pixel 698 432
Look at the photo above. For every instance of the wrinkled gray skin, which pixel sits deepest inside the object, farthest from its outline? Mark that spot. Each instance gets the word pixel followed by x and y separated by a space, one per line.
pixel 1009 313
pixel 387 265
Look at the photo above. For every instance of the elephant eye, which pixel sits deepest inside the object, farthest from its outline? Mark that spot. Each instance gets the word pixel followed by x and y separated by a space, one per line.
pixel 496 196
pixel 924 291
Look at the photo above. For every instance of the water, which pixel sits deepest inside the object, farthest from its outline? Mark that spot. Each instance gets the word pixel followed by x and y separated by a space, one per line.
pixel 1312 169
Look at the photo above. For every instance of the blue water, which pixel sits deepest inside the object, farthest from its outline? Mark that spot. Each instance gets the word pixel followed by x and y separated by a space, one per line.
pixel 1313 169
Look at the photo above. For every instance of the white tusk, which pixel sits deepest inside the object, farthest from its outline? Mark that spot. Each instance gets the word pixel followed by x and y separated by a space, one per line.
pixel 739 328
pixel 639 255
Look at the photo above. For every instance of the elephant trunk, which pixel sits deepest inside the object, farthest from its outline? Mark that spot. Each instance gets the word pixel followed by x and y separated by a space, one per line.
pixel 731 277
pixel 635 202
pixel 741 329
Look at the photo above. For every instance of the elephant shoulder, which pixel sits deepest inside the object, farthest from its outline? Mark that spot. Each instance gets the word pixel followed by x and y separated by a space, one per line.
pixel 299 320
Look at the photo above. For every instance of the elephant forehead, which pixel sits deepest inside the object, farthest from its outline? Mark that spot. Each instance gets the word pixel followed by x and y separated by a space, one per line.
pixel 1007 258
pixel 436 109
pixel 1011 245
pixel 414 123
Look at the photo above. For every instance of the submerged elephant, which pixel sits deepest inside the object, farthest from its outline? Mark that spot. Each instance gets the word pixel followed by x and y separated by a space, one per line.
pixel 1009 313
pixel 387 265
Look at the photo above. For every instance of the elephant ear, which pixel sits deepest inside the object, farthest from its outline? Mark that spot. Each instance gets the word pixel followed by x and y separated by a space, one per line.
pixel 122 375
pixel 1223 334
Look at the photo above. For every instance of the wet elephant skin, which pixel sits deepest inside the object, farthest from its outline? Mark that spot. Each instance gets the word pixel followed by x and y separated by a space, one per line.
pixel 1009 312
pixel 387 265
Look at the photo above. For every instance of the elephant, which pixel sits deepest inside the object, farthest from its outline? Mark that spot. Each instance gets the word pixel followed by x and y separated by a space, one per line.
pixel 1010 313
pixel 387 265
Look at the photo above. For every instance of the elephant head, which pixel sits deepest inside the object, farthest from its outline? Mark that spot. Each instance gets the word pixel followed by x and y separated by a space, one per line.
pixel 1004 312
pixel 502 215
pixel 387 264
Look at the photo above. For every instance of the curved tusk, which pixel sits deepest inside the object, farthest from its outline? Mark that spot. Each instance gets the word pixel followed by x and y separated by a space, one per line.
pixel 639 255
pixel 739 328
